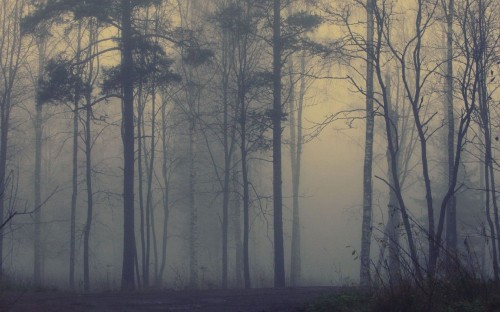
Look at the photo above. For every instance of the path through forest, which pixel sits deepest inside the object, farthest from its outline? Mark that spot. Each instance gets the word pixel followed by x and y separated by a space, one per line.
pixel 234 300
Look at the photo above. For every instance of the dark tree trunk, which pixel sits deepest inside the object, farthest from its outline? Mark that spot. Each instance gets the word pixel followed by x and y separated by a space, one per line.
pixel 193 213
pixel 37 274
pixel 74 193
pixel 246 196
pixel 238 263
pixel 451 214
pixel 366 230
pixel 90 203
pixel 165 176
pixel 279 256
pixel 394 213
pixel 129 251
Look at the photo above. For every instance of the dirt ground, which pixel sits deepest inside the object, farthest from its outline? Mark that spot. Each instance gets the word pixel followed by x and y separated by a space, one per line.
pixel 235 300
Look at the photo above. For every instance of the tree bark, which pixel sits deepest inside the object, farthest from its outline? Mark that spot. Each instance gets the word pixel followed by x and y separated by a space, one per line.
pixel 279 257
pixel 129 250
pixel 74 193
pixel 394 214
pixel 366 231
pixel 90 200
pixel 165 176
pixel 37 274
pixel 451 215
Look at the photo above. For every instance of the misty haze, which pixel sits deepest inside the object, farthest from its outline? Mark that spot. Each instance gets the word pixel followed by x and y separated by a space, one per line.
pixel 249 155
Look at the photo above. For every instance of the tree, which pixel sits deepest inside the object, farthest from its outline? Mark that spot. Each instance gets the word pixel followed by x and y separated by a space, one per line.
pixel 366 235
pixel 279 256
pixel 38 127
pixel 477 49
pixel 13 54
pixel 451 219
pixel 118 14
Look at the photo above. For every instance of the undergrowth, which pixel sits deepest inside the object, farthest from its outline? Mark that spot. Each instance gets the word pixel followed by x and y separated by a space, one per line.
pixel 439 296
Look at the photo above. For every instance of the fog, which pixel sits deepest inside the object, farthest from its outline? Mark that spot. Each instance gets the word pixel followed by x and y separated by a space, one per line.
pixel 180 156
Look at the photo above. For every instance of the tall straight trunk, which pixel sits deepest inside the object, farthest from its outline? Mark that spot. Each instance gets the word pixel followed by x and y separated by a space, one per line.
pixel 225 222
pixel 165 176
pixel 226 193
pixel 451 214
pixel 238 263
pixel 366 231
pixel 246 209
pixel 5 120
pixel 193 213
pixel 481 59
pixel 129 250
pixel 11 59
pixel 90 203
pixel 140 173
pixel 228 151
pixel 150 224
pixel 491 225
pixel 279 254
pixel 394 214
pixel 37 270
pixel 490 173
pixel 37 278
pixel 244 173
pixel 295 117
pixel 484 238
pixel 74 191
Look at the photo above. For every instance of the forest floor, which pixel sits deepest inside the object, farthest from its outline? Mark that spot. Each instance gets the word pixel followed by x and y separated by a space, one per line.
pixel 233 300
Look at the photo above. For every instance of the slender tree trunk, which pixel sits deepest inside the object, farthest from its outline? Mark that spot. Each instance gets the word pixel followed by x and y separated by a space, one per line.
pixel 150 224
pixel 451 215
pixel 165 176
pixel 245 181
pixel 37 275
pixel 90 200
pixel 366 232
pixel 238 263
pixel 394 215
pixel 295 117
pixel 493 232
pixel 226 191
pixel 279 256
pixel 74 193
pixel 129 250
pixel 193 213
pixel 5 119
pixel 140 173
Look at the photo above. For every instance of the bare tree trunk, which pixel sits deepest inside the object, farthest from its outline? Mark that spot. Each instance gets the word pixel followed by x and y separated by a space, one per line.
pixel 193 213
pixel 74 194
pixel 150 224
pixel 246 197
pixel 140 173
pixel 37 275
pixel 493 232
pixel 366 231
pixel 451 215
pixel 279 256
pixel 226 191
pixel 127 65
pixel 296 156
pixel 165 176
pixel 394 214
pixel 90 203
pixel 238 263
